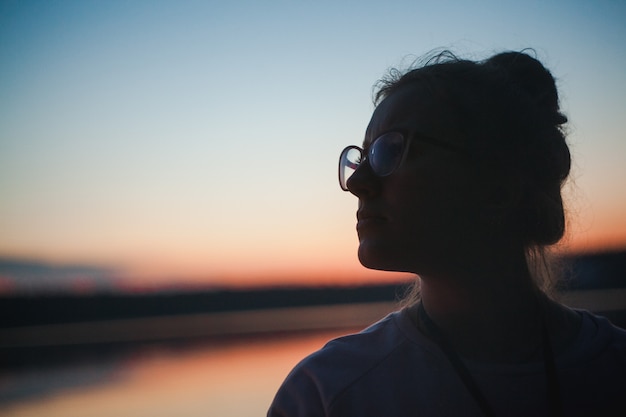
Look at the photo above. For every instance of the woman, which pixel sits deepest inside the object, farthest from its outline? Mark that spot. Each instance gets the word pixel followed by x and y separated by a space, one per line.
pixel 459 181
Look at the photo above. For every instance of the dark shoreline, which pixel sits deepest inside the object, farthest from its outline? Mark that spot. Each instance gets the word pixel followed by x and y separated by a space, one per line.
pixel 582 272
pixel 54 309
pixel 44 330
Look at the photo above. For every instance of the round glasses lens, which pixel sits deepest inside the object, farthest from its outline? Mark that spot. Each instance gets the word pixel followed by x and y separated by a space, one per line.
pixel 348 162
pixel 385 154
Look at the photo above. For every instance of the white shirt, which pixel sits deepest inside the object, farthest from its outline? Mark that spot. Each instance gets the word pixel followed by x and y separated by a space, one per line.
pixel 392 369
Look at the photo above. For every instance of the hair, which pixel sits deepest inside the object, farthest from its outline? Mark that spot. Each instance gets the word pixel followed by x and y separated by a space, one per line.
pixel 507 113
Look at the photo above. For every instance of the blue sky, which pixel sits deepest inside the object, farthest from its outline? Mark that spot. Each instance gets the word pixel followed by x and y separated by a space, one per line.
pixel 200 139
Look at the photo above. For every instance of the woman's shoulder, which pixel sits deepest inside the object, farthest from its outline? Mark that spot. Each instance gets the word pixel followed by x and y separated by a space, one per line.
pixel 353 354
pixel 598 338
pixel 604 330
pixel 325 374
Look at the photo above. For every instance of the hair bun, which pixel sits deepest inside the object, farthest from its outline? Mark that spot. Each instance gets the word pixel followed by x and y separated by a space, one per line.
pixel 529 76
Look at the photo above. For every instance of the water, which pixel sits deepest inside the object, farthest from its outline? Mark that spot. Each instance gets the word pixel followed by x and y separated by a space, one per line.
pixel 228 377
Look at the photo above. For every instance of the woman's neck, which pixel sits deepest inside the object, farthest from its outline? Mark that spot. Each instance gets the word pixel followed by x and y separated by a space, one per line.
pixel 493 316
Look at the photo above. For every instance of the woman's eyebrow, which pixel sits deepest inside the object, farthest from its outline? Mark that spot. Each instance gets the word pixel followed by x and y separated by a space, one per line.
pixel 381 132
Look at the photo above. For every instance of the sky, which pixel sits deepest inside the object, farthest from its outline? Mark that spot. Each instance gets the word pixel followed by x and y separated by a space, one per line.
pixel 196 142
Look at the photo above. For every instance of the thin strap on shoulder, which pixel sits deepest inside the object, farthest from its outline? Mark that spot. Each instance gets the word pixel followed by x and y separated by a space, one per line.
pixel 552 378
pixel 552 382
pixel 456 361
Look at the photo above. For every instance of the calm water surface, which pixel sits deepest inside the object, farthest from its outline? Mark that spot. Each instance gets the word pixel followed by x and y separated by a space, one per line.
pixel 235 377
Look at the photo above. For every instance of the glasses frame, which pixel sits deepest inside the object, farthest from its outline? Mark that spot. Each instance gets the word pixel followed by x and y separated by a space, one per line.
pixel 365 156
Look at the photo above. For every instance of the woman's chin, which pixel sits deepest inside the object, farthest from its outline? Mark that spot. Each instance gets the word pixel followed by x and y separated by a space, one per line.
pixel 375 257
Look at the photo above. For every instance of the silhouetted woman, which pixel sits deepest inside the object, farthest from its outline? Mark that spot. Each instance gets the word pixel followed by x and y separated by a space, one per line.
pixel 459 181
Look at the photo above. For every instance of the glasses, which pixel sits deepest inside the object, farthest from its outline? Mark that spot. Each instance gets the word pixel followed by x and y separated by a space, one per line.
pixel 384 155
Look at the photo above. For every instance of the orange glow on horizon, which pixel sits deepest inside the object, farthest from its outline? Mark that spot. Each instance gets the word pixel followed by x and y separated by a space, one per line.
pixel 316 275
pixel 320 261
pixel 342 269
pixel 593 233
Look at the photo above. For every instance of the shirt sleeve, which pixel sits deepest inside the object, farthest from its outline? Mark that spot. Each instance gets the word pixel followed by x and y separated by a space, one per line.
pixel 298 396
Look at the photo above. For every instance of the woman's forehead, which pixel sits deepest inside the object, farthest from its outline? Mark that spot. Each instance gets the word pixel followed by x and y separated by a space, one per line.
pixel 412 108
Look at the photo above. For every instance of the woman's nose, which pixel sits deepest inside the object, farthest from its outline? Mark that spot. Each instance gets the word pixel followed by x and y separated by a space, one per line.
pixel 363 182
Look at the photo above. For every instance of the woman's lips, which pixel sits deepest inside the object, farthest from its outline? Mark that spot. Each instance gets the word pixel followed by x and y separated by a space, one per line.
pixel 365 219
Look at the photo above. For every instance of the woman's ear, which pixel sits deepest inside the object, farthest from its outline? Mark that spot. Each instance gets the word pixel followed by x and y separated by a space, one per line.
pixel 501 208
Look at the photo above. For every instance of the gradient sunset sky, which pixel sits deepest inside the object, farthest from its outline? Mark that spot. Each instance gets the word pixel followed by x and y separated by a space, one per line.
pixel 197 141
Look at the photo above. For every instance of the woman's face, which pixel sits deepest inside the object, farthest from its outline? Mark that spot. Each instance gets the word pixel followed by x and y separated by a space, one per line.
pixel 427 214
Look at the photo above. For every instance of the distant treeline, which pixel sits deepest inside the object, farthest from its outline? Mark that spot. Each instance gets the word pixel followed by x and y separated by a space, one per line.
pixel 593 271
pixel 21 311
